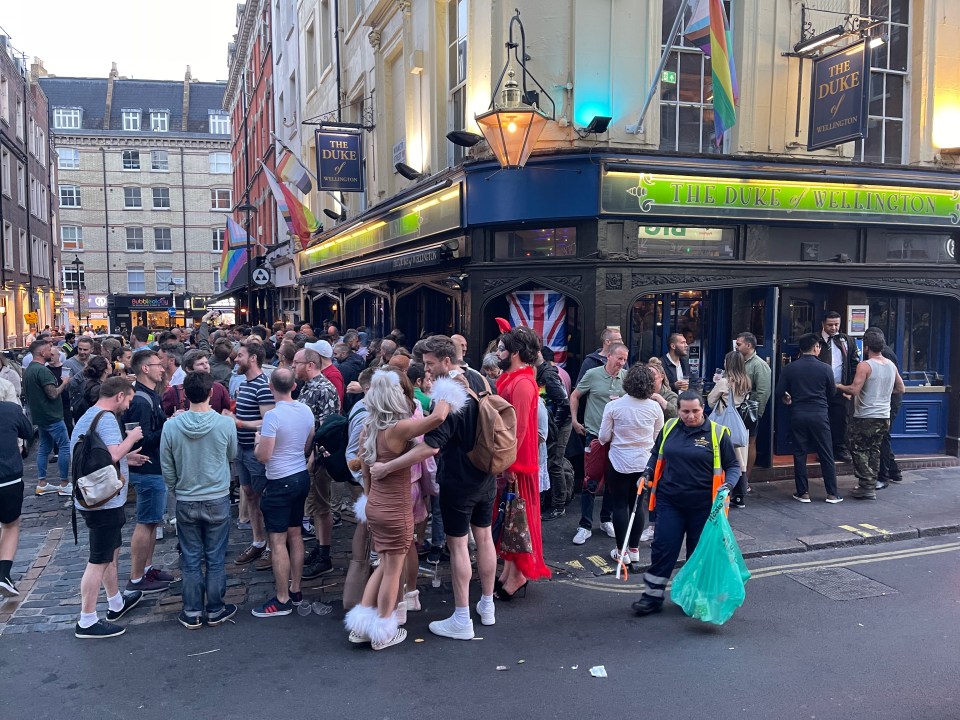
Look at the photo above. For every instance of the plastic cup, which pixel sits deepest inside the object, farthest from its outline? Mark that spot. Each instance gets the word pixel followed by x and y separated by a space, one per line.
pixel 65 374
pixel 130 426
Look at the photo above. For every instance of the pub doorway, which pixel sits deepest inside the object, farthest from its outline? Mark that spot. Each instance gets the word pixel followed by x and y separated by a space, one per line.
pixel 423 310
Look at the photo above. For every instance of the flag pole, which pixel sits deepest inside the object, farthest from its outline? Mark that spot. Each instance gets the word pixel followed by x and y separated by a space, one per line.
pixel 306 169
pixel 637 127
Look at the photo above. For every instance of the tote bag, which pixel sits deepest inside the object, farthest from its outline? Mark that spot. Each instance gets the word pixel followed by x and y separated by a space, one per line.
pixel 730 418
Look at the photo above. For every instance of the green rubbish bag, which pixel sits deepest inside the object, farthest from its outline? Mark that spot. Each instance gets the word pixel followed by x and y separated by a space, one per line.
pixel 710 586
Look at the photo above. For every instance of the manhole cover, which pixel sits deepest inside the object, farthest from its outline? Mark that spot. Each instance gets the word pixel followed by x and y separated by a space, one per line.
pixel 840 583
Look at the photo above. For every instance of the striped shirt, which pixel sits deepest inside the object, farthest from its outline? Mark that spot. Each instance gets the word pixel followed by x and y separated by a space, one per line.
pixel 250 396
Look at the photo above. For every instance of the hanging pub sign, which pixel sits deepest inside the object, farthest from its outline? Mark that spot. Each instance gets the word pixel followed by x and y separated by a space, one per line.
pixel 340 160
pixel 839 96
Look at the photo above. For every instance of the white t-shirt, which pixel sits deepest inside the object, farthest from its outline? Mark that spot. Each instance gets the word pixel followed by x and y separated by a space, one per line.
pixel 291 423
pixel 630 426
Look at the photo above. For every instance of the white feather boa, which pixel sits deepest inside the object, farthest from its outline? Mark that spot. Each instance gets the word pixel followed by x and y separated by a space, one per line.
pixel 360 509
pixel 450 390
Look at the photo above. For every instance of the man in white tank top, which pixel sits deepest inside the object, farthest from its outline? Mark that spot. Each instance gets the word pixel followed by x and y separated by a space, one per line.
pixel 874 382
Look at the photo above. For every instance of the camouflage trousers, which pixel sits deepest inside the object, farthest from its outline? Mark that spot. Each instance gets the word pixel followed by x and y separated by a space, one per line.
pixel 864 436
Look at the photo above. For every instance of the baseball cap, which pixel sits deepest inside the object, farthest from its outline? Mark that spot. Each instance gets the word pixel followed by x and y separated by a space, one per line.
pixel 321 347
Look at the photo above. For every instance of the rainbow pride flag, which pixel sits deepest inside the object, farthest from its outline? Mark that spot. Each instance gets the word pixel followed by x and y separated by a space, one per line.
pixel 291 170
pixel 300 221
pixel 708 28
pixel 233 259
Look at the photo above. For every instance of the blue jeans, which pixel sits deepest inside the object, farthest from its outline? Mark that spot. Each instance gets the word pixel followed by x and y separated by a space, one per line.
pixel 437 537
pixel 54 437
pixel 151 497
pixel 203 529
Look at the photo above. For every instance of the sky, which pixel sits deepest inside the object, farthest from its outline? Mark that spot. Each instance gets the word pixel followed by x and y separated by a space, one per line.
pixel 147 40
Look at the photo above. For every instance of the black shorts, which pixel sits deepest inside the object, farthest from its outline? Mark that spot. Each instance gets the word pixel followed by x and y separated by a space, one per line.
pixel 11 500
pixel 282 502
pixel 105 538
pixel 462 507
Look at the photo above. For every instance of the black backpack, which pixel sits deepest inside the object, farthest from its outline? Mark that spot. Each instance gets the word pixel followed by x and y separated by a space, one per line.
pixel 90 453
pixel 79 403
pixel 334 436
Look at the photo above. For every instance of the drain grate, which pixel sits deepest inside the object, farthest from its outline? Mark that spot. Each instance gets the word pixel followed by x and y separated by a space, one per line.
pixel 840 583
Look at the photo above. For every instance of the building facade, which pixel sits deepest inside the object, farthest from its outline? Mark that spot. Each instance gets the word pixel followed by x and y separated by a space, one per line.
pixel 144 188
pixel 249 101
pixel 29 257
pixel 656 226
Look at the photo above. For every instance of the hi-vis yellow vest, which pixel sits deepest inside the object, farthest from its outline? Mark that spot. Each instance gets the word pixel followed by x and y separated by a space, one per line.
pixel 718 473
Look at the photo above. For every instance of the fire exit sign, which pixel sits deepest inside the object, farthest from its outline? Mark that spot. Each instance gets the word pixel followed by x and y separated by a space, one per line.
pixel 668 76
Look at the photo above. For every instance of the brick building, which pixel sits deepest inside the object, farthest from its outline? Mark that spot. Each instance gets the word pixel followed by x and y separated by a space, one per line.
pixel 29 258
pixel 145 163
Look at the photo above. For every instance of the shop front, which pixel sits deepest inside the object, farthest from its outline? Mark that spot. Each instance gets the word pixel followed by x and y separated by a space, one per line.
pixel 709 249
pixel 93 311
pixel 397 267
pixel 153 311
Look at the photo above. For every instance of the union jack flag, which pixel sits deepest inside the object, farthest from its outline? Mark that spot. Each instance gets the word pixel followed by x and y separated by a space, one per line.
pixel 544 312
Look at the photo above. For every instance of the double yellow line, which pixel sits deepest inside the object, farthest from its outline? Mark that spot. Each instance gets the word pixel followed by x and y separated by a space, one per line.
pixel 774 570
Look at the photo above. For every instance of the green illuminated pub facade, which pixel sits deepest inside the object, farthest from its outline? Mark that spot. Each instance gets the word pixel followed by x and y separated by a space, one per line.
pixel 654 244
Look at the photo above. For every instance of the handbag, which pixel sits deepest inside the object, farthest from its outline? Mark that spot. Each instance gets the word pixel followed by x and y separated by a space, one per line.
pixel 97 477
pixel 730 418
pixel 515 536
pixel 595 461
pixel 749 411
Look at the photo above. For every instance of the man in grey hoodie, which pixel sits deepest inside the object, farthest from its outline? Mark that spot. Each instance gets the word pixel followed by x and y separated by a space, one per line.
pixel 196 449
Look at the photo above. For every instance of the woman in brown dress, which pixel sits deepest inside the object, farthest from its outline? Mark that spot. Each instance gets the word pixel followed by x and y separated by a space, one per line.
pixel 388 432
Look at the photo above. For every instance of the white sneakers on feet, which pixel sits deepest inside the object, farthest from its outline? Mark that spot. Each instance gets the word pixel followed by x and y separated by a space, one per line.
pixel 487 613
pixel 632 555
pixel 450 628
pixel 582 536
pixel 607 527
pixel 647 534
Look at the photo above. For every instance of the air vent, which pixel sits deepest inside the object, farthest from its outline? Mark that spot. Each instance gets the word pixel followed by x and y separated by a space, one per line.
pixel 917 420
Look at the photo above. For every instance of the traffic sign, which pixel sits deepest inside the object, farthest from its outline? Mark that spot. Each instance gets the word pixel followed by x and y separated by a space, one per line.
pixel 261 276
pixel 172 311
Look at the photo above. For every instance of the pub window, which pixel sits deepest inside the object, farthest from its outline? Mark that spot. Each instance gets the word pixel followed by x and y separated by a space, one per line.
pixel 457 70
pixel 686 90
pixel 541 243
pixel 886 139
pixel 914 327
pixel 886 246
pixel 681 242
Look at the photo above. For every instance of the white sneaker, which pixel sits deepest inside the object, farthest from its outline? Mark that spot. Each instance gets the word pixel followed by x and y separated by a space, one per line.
pixel 634 554
pixel 647 534
pixel 450 628
pixel 488 616
pixel 582 536
pixel 65 490
pixel 398 638
pixel 607 527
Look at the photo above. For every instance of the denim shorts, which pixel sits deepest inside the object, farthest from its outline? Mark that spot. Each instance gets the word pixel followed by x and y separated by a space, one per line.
pixel 282 502
pixel 151 498
pixel 251 471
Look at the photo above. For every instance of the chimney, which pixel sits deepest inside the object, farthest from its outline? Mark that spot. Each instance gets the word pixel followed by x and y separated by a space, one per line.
pixel 187 79
pixel 109 108
pixel 37 70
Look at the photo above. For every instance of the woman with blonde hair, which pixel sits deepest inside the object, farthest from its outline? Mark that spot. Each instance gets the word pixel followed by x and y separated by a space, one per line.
pixel 733 379
pixel 387 434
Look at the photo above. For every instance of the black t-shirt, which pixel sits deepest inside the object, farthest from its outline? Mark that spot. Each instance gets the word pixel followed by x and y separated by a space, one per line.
pixel 454 439
pixel 13 425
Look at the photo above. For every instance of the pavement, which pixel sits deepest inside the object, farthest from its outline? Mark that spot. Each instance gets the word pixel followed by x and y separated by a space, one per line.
pixel 48 564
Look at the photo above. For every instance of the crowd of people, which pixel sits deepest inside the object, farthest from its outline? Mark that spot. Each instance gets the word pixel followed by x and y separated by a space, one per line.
pixel 196 420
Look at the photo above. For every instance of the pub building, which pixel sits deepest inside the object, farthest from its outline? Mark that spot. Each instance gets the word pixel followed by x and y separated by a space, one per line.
pixel 653 244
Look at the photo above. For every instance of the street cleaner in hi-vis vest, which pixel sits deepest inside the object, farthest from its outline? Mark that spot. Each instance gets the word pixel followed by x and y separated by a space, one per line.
pixel 693 461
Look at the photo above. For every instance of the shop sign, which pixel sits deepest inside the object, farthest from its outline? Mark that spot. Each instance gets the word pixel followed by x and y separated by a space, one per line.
pixel 93 302
pixel 340 160
pixel 838 97
pixel 402 262
pixel 160 301
pixel 435 213
pixel 631 193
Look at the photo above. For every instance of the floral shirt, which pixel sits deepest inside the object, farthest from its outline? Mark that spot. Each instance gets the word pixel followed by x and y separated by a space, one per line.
pixel 320 395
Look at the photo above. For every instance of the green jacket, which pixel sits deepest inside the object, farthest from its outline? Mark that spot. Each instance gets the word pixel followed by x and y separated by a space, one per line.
pixel 673 400
pixel 759 373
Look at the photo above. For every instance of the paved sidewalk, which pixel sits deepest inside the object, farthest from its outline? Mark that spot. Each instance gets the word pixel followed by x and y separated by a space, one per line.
pixel 48 565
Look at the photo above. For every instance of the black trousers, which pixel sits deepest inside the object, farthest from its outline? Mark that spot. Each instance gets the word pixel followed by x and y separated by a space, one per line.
pixel 888 461
pixel 622 489
pixel 810 432
pixel 838 411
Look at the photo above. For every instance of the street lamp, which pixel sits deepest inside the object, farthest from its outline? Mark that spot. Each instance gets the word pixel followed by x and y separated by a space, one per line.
pixel 513 127
pixel 172 287
pixel 77 267
pixel 248 208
